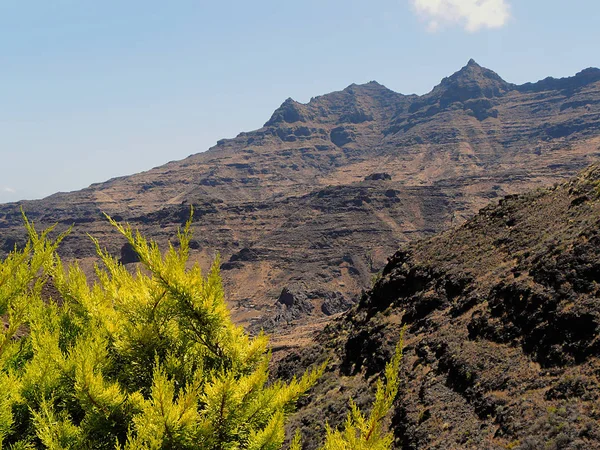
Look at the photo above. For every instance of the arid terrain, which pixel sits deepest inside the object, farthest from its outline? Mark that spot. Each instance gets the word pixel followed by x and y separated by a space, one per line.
pixel 306 210
pixel 502 343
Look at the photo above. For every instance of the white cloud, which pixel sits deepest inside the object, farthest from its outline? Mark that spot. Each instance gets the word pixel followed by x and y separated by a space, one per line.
pixel 9 190
pixel 473 15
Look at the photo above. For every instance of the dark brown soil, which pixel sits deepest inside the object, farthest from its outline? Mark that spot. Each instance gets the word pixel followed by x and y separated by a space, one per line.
pixel 503 331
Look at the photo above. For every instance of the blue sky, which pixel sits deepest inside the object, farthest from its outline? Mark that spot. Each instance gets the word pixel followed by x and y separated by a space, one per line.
pixel 93 89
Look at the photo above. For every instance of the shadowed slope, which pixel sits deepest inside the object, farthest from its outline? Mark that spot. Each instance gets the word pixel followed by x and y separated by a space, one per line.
pixel 503 339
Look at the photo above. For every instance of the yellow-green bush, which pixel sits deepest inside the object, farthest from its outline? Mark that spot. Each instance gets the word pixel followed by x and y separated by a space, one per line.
pixel 149 360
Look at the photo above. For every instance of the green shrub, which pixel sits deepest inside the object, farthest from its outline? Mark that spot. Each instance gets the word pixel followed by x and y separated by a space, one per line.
pixel 149 360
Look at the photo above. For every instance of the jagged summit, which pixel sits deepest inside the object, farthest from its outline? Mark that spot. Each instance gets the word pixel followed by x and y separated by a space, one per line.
pixel 290 111
pixel 475 87
pixel 569 84
pixel 470 82
pixel 475 73
pixel 372 86
pixel 356 91
pixel 353 104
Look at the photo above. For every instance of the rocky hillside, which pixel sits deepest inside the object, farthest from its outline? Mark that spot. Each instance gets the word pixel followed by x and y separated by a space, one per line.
pixel 314 201
pixel 502 339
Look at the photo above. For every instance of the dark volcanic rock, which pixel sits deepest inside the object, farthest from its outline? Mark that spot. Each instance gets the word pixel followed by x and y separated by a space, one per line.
pixel 341 136
pixel 334 303
pixel 293 304
pixel 289 112
pixel 245 254
pixel 502 343
pixel 471 82
pixel 10 243
pixel 382 176
pixel 569 84
pixel 128 254
pixel 290 299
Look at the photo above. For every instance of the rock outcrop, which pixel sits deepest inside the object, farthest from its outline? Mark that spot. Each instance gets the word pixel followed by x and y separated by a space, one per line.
pixel 502 343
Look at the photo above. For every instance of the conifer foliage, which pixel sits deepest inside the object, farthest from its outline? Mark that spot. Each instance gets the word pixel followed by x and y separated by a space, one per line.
pixel 367 433
pixel 145 360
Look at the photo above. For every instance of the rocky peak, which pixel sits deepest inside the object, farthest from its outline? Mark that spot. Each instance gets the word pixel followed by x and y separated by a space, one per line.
pixel 569 84
pixel 350 98
pixel 358 103
pixel 367 92
pixel 290 111
pixel 471 82
pixel 591 74
pixel 371 89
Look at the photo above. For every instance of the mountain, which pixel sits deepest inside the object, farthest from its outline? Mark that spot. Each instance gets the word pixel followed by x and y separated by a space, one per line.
pixel 502 340
pixel 305 210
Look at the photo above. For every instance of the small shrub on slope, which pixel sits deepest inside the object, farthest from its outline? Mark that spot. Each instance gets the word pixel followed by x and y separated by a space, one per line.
pixel 361 432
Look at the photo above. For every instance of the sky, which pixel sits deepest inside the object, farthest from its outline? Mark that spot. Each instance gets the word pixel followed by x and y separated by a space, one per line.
pixel 91 90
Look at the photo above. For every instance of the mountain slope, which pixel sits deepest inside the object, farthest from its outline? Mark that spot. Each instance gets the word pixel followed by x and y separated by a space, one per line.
pixel 316 199
pixel 503 330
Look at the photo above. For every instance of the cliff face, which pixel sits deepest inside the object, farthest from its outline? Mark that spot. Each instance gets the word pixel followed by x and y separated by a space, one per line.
pixel 316 199
pixel 503 330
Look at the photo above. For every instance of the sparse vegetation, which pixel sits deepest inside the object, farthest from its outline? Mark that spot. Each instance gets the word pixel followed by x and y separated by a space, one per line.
pixel 375 278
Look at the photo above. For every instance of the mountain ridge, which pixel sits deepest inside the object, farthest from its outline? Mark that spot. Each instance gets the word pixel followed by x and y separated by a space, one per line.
pixel 316 199
pixel 585 76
